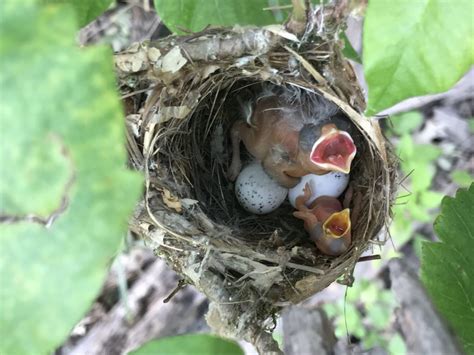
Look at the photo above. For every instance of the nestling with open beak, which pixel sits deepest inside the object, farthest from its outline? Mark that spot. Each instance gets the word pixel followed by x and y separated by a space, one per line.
pixel 289 146
pixel 326 221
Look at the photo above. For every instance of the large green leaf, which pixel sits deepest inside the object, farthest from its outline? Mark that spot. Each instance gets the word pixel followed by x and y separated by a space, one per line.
pixel 194 15
pixel 415 48
pixel 86 10
pixel 61 138
pixel 447 267
pixel 201 344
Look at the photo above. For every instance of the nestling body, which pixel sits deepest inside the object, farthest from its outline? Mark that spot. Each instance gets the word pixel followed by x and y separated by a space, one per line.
pixel 326 221
pixel 288 147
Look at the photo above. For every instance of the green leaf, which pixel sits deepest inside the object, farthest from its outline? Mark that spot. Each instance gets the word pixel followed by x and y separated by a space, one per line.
pixel 349 51
pixel 418 241
pixel 430 199
pixel 62 137
pixel 331 309
pixel 354 293
pixel 417 159
pixel 378 315
pixel 406 148
pixel 355 325
pixel 415 154
pixel 86 10
pixel 414 48
pixel 462 178
pixel 401 229
pixel 471 125
pixel 201 344
pixel 353 319
pixel 407 122
pixel 373 339
pixel 447 268
pixel 278 337
pixel 426 153
pixel 418 212
pixel 422 176
pixel 194 15
pixel 396 345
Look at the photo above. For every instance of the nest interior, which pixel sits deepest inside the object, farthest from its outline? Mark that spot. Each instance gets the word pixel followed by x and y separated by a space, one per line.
pixel 180 101
pixel 200 155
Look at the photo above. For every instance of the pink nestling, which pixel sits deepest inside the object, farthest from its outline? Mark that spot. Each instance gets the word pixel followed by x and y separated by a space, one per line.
pixel 326 221
pixel 289 142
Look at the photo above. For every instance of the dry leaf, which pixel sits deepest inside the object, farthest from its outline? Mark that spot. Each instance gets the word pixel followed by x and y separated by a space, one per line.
pixel 171 201
pixel 133 60
pixel 188 202
pixel 208 70
pixel 173 60
pixel 154 54
pixel 279 30
pixel 167 113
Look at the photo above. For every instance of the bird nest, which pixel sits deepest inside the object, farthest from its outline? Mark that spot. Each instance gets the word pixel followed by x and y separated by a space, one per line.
pixel 179 98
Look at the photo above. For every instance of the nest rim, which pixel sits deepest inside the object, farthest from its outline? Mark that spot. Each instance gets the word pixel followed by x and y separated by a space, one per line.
pixel 337 265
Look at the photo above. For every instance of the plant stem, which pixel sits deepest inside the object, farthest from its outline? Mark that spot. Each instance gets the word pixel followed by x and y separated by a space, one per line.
pixel 299 10
pixel 298 19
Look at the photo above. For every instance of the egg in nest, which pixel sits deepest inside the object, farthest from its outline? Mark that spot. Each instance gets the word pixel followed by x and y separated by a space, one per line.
pixel 331 184
pixel 257 192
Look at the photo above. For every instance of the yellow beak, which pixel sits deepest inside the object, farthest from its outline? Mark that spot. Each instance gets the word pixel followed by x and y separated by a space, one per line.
pixel 338 224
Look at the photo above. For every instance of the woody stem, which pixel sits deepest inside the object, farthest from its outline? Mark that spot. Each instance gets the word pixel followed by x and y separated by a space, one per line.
pixel 298 19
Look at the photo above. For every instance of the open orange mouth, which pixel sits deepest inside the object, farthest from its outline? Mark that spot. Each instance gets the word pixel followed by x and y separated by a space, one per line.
pixel 334 151
pixel 338 224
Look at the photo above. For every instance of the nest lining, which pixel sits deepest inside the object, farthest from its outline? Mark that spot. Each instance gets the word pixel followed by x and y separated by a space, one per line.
pixel 248 265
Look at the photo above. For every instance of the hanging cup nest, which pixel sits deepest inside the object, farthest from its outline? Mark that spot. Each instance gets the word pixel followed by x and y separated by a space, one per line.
pixel 179 95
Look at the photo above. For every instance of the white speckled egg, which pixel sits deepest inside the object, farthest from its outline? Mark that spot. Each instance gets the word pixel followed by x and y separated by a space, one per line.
pixel 331 184
pixel 257 192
